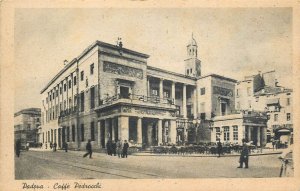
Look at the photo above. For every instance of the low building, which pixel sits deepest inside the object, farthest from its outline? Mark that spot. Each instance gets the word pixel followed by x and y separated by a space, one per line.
pixel 26 124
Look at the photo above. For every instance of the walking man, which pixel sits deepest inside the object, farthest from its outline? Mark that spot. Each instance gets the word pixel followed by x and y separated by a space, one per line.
pixel 125 149
pixel 65 146
pixel 54 147
pixel 244 158
pixel 113 148
pixel 18 148
pixel 89 149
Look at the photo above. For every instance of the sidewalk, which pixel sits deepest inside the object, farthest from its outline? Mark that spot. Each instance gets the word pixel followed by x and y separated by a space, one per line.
pixel 264 152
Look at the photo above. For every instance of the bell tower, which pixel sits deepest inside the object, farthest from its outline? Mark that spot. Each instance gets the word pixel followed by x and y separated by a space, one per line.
pixel 192 63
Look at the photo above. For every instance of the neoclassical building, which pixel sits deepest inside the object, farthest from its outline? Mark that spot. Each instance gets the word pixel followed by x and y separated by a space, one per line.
pixel 109 92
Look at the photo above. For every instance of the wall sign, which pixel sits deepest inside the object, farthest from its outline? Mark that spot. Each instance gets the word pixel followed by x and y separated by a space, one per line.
pixel 222 91
pixel 122 70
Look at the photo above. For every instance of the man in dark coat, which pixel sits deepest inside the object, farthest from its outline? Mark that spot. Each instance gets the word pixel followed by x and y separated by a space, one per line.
pixel 89 149
pixel 109 147
pixel 18 148
pixel 113 148
pixel 125 149
pixel 65 146
pixel 219 148
pixel 244 158
pixel 54 146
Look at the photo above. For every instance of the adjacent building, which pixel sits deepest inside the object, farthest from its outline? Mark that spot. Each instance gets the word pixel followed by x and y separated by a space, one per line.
pixel 110 93
pixel 26 125
pixel 262 93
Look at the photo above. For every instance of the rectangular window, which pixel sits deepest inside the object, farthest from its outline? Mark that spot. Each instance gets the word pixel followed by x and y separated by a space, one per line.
pixel 275 117
pixel 154 92
pixel 249 91
pixel 75 81
pixel 177 110
pixel 178 95
pixel 73 133
pixel 268 116
pixel 288 101
pixel 218 133
pixel 235 133
pixel 92 131
pixel 238 106
pixel 68 134
pixel 202 91
pixel 92 69
pixel 288 116
pixel 65 87
pixel 60 90
pixel 237 92
pixel 92 97
pixel 82 132
pixel 226 133
pixel 70 84
pixel 82 101
pixel 166 94
pixel 81 75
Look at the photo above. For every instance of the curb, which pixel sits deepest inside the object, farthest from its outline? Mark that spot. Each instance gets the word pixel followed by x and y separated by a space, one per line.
pixel 215 156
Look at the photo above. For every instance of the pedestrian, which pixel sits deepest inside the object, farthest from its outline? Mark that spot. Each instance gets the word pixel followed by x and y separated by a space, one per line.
pixel 244 157
pixel 51 145
pixel 89 149
pixel 65 146
pixel 18 147
pixel 273 143
pixel 219 148
pixel 125 149
pixel 108 147
pixel 113 148
pixel 119 148
pixel 54 146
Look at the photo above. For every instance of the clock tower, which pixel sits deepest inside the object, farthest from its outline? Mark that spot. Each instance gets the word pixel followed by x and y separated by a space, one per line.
pixel 192 63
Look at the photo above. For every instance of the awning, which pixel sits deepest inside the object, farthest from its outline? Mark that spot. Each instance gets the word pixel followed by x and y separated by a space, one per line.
pixel 274 101
pixel 284 131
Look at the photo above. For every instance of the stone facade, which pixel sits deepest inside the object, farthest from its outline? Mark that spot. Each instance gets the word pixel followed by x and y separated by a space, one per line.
pixel 110 93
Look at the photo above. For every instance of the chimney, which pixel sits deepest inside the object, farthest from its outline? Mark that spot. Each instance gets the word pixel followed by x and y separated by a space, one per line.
pixel 65 62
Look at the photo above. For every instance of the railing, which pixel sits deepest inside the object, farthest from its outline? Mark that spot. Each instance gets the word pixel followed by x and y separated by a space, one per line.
pixel 67 112
pixel 143 98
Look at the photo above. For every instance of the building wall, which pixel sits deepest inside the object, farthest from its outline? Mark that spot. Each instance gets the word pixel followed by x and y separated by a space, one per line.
pixel 244 95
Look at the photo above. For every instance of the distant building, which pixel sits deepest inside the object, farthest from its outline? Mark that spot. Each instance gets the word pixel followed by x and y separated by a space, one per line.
pixel 262 93
pixel 109 93
pixel 26 125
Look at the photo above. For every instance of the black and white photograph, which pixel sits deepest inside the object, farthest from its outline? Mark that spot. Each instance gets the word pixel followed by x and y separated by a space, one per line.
pixel 152 93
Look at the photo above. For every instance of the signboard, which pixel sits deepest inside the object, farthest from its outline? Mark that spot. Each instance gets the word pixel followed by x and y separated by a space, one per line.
pixel 222 91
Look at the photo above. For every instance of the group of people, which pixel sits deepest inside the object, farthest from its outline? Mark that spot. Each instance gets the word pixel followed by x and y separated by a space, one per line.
pixel 117 148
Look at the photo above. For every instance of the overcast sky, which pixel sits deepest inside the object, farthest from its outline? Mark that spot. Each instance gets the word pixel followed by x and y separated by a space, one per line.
pixel 233 42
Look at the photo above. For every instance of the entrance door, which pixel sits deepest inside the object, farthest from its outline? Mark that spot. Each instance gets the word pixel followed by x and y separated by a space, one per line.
pixel 124 92
pixel 102 133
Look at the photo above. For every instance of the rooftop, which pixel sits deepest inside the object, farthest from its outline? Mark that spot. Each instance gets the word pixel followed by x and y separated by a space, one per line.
pixel 32 111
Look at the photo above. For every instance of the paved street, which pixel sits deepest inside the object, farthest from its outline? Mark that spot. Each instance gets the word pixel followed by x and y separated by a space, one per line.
pixel 71 165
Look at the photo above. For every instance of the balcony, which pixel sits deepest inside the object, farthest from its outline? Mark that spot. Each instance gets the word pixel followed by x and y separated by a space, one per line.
pixel 151 101
pixel 67 112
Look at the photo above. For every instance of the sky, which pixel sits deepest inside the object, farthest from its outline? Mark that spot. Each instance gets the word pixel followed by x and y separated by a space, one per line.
pixel 232 42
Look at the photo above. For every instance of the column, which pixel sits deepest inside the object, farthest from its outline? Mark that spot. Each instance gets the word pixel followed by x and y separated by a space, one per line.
pixel 173 92
pixel 99 133
pixel 249 133
pixel 113 124
pixel 161 89
pixel 195 103
pixel 139 131
pixel 184 101
pixel 148 87
pixel 107 133
pixel 258 136
pixel 123 122
pixel 173 131
pixel 264 136
pixel 159 133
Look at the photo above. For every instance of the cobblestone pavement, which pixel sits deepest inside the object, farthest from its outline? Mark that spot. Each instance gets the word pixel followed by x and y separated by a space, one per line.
pixel 71 165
